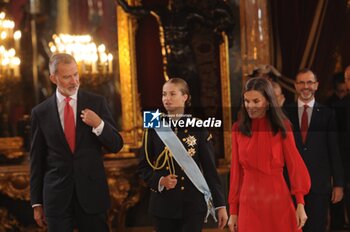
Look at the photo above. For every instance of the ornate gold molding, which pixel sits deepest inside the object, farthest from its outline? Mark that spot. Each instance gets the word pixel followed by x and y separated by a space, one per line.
pixel 125 189
pixel 124 185
pixel 14 181
pixel 226 98
pixel 8 222
pixel 11 149
pixel 131 113
pixel 255 34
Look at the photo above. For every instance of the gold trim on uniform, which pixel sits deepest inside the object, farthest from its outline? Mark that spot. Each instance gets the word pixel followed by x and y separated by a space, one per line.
pixel 191 151
pixel 191 141
pixel 209 137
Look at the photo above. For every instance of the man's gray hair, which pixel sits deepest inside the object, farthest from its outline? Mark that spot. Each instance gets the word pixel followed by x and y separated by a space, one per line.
pixel 59 58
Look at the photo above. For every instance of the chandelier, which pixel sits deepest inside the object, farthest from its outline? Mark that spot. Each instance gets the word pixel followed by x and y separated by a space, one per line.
pixel 9 60
pixel 93 61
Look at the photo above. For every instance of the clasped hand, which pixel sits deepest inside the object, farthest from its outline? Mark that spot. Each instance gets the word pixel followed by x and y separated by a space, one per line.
pixel 169 181
pixel 90 118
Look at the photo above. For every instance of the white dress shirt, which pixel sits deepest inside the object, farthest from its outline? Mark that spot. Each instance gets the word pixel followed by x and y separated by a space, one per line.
pixel 73 103
pixel 308 110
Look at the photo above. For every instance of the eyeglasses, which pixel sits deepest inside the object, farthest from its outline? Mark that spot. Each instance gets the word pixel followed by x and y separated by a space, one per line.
pixel 308 83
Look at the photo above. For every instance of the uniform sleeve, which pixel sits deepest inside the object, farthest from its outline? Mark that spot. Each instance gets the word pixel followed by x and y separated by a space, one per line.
pixel 297 172
pixel 235 175
pixel 109 137
pixel 148 154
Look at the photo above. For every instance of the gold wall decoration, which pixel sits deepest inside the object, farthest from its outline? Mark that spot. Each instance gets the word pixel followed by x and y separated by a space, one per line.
pixel 131 112
pixel 11 150
pixel 125 188
pixel 8 222
pixel 63 16
pixel 255 34
pixel 226 98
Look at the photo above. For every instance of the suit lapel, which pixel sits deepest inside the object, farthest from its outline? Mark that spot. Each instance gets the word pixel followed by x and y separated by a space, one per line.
pixel 57 121
pixel 314 121
pixel 295 121
pixel 81 104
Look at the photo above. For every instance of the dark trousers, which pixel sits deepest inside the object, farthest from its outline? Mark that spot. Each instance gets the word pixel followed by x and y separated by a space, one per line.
pixel 337 213
pixel 193 223
pixel 316 207
pixel 75 215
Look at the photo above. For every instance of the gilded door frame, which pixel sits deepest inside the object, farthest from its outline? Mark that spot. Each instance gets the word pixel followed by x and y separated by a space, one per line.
pixel 131 111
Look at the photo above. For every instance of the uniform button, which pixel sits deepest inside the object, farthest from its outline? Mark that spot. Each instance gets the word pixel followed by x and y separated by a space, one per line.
pixel 186 130
pixel 182 188
pixel 305 148
pixel 167 168
pixel 184 139
pixel 182 178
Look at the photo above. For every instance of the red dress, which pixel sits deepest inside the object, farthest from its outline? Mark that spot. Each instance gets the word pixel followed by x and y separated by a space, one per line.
pixel 258 192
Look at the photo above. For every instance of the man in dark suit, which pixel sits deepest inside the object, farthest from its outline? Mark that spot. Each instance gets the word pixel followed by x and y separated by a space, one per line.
pixel 315 135
pixel 67 180
pixel 336 102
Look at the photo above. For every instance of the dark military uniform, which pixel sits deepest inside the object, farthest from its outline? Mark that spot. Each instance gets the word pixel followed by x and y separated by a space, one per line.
pixel 182 208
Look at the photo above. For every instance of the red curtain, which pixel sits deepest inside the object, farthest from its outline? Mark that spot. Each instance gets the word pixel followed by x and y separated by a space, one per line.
pixel 149 59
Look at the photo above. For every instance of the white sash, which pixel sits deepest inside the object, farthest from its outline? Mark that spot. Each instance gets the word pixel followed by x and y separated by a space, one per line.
pixel 169 138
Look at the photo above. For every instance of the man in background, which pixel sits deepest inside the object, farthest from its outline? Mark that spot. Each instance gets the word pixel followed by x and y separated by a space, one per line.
pixel 315 134
pixel 336 101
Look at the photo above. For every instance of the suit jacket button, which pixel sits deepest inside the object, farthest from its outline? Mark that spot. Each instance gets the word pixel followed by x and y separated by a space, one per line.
pixel 182 178
pixel 182 188
pixel 305 148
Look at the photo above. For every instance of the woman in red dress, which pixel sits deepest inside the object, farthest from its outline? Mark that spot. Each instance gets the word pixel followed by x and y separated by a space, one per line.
pixel 262 143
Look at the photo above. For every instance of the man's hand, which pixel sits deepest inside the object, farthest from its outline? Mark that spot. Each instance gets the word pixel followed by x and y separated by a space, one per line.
pixel 222 217
pixel 90 118
pixel 169 181
pixel 337 194
pixel 39 216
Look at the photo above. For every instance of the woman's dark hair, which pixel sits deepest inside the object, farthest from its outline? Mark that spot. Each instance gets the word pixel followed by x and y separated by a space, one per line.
pixel 274 113
pixel 183 88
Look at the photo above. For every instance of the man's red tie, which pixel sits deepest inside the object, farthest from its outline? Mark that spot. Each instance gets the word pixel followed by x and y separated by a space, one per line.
pixel 304 124
pixel 69 124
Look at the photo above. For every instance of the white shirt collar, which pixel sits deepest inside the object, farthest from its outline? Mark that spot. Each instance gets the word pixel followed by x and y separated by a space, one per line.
pixel 310 103
pixel 61 98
